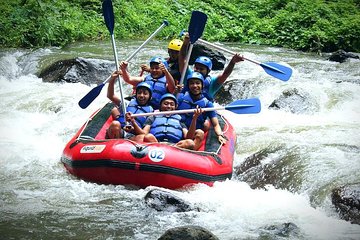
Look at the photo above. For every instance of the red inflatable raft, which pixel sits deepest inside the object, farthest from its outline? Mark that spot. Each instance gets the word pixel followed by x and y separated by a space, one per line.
pixel 91 157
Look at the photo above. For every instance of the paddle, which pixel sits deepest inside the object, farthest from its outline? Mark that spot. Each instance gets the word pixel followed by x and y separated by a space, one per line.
pixel 244 106
pixel 196 29
pixel 90 96
pixel 273 69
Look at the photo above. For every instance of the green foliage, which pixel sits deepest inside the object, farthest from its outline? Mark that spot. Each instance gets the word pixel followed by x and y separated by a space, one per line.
pixel 307 25
pixel 37 23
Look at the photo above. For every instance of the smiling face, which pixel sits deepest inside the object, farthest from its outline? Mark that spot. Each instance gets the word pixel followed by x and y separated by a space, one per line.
pixel 142 96
pixel 167 104
pixel 195 86
pixel 155 70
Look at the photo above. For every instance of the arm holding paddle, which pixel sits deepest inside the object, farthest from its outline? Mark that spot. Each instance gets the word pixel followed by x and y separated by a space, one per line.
pixel 137 129
pixel 197 135
pixel 274 69
pixel 217 81
pixel 221 78
pixel 132 80
pixel 217 129
pixel 110 92
pixel 183 52
pixel 170 82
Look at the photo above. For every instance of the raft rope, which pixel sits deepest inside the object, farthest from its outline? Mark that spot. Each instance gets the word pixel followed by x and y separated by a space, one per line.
pixel 84 137
pixel 87 123
pixel 226 128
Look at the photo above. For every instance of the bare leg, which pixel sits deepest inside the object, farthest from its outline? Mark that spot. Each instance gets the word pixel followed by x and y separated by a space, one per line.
pixel 150 138
pixel 114 129
pixel 115 113
pixel 199 137
pixel 186 143
pixel 206 125
pixel 138 138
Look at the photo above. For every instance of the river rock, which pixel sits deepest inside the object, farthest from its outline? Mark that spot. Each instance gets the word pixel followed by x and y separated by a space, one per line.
pixel 234 90
pixel 165 201
pixel 341 56
pixel 272 165
pixel 188 233
pixel 86 71
pixel 286 230
pixel 295 101
pixel 218 59
pixel 346 199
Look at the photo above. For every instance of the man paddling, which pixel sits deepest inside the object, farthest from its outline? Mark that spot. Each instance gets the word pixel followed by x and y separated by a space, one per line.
pixel 212 84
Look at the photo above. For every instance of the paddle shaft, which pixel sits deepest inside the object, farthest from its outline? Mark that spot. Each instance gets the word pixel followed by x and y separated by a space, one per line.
pixel 196 28
pixel 243 106
pixel 164 24
pixel 175 112
pixel 225 50
pixel 248 59
pixel 187 59
pixel 123 105
pixel 108 16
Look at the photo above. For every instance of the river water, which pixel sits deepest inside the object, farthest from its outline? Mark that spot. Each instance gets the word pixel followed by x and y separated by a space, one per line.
pixel 40 200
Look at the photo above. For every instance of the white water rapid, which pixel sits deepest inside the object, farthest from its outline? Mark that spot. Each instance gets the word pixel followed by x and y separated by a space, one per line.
pixel 40 200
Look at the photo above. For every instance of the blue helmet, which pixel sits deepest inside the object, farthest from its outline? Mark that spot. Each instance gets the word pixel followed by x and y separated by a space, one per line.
pixel 168 95
pixel 144 85
pixel 159 60
pixel 204 61
pixel 195 75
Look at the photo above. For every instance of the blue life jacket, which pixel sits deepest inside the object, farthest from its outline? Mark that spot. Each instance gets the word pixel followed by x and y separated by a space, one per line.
pixel 167 128
pixel 158 87
pixel 134 107
pixel 186 102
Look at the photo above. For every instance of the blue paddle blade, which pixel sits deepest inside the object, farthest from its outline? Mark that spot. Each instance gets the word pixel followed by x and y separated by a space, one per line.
pixel 108 15
pixel 245 106
pixel 197 25
pixel 277 70
pixel 90 96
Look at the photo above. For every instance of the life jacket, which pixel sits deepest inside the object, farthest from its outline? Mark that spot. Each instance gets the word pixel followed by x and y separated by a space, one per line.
pixel 134 107
pixel 158 87
pixel 167 128
pixel 205 90
pixel 186 102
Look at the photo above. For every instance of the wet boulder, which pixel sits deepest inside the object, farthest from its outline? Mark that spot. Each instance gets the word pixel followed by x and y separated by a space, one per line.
pixel 236 89
pixel 286 230
pixel 274 165
pixel 189 233
pixel 295 101
pixel 165 201
pixel 341 56
pixel 218 59
pixel 86 71
pixel 346 199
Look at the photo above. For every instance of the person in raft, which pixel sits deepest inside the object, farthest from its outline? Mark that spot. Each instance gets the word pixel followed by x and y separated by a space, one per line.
pixel 194 99
pixel 174 47
pixel 159 79
pixel 138 104
pixel 169 127
pixel 212 84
